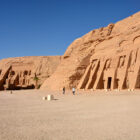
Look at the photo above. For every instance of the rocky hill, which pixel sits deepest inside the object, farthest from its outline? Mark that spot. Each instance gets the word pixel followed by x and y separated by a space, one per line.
pixel 105 58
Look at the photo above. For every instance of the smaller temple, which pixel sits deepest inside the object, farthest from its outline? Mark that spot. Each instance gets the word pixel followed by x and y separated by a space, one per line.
pixel 117 72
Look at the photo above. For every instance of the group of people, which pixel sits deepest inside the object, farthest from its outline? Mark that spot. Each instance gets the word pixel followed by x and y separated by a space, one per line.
pixel 73 90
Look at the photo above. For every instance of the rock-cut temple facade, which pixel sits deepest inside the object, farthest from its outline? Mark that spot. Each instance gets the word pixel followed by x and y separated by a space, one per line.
pixel 105 58
pixel 116 72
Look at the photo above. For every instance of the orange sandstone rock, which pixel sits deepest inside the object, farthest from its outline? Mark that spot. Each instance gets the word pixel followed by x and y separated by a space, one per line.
pixel 19 73
pixel 105 58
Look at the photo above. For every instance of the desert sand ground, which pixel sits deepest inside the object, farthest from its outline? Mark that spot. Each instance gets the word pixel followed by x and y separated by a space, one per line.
pixel 88 115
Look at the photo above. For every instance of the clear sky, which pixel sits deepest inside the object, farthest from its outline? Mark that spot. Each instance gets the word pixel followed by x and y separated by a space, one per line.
pixel 48 27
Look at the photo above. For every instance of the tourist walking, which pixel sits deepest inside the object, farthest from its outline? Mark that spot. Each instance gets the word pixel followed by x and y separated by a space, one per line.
pixel 63 90
pixel 73 91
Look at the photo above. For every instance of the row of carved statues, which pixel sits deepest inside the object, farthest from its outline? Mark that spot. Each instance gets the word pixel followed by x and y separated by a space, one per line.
pixel 11 78
pixel 119 72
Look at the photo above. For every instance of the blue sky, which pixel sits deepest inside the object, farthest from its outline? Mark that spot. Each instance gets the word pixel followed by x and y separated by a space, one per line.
pixel 48 27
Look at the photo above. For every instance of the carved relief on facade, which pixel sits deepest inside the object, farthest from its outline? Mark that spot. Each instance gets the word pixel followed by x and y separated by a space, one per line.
pixel 93 74
pixel 121 61
pixel 119 72
pixel 122 71
pixel 108 74
pixel 89 76
pixel 133 70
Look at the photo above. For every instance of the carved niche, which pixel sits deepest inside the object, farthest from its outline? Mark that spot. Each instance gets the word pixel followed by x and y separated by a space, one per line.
pixel 108 64
pixel 122 61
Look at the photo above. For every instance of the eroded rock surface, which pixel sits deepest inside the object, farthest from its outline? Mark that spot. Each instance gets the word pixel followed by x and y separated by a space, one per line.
pixel 106 58
pixel 19 73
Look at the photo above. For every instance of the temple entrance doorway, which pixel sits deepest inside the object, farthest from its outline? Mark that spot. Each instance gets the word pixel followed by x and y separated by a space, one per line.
pixel 109 82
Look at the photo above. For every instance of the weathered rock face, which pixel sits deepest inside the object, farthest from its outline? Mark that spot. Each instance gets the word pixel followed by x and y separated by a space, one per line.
pixel 106 58
pixel 20 72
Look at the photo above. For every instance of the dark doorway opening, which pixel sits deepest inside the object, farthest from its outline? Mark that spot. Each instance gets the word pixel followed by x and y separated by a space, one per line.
pixel 109 82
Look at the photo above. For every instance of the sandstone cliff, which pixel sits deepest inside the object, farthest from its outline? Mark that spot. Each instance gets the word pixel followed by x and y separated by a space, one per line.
pixel 19 73
pixel 106 58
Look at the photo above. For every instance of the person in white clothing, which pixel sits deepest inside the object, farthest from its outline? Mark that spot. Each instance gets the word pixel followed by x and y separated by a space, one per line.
pixel 73 91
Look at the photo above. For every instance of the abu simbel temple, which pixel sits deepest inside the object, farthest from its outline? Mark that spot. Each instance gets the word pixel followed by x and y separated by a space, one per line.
pixel 105 58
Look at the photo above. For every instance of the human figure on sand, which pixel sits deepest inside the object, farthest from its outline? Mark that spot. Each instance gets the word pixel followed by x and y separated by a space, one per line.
pixel 73 91
pixel 63 90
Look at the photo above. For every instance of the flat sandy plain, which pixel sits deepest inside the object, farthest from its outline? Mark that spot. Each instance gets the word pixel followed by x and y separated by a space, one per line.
pixel 88 115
